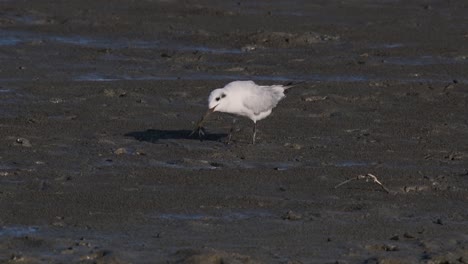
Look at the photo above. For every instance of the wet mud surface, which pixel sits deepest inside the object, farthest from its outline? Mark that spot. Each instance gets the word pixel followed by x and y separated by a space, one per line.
pixel 97 99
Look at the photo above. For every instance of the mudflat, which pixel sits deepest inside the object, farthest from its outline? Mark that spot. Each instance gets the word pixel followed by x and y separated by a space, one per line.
pixel 97 99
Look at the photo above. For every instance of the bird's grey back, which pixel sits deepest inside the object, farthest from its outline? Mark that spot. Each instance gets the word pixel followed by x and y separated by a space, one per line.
pixel 264 98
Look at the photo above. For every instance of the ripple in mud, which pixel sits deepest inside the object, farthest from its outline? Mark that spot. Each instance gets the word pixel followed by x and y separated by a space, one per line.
pixel 104 43
pixel 10 38
pixel 206 49
pixel 8 97
pixel 351 163
pixel 189 164
pixel 396 165
pixel 224 216
pixel 97 77
pixel 17 231
pixel 5 90
pixel 423 60
pixel 388 46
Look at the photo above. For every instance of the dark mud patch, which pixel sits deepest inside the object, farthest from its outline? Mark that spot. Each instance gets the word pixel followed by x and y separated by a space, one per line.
pixel 385 94
pixel 158 135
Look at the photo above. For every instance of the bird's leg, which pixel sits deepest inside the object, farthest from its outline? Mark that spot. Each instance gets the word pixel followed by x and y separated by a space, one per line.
pixel 254 133
pixel 231 131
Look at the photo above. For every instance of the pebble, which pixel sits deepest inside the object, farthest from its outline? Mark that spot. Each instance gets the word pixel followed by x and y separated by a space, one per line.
pixel 114 93
pixel 56 100
pixel 315 98
pixel 23 142
pixel 121 151
pixel 290 215
pixel 293 145
pixel 383 247
pixel 68 251
pixel 247 48
pixel 416 188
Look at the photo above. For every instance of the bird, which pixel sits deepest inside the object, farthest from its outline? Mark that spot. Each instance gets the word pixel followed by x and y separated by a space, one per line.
pixel 244 98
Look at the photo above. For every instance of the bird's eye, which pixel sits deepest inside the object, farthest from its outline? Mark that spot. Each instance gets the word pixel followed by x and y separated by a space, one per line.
pixel 223 95
pixel 217 98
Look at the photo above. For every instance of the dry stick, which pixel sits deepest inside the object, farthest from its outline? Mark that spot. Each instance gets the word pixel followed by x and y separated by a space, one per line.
pixel 366 177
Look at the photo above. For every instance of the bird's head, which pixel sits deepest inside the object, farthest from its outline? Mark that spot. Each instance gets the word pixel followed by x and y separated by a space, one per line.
pixel 217 100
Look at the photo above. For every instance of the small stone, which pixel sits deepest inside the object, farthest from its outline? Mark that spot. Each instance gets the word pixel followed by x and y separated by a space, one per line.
pixel 290 215
pixel 120 151
pixel 140 153
pixel 109 93
pixel 296 146
pixel 416 188
pixel 16 257
pixel 56 100
pixel 23 142
pixel 247 48
pixel 315 98
pixel 58 224
pixel 236 69
pixel 293 145
pixel 68 251
pixel 115 93
pixel 280 168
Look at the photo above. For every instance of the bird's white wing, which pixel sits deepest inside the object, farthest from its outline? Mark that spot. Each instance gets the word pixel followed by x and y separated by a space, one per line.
pixel 263 98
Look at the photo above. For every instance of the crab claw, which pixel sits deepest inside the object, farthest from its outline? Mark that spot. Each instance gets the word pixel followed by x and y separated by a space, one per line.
pixel 199 127
pixel 199 130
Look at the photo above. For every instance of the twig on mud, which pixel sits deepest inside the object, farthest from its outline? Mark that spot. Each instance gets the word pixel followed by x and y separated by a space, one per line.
pixel 366 177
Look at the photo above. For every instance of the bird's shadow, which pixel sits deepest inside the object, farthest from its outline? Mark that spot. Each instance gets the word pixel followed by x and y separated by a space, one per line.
pixel 154 135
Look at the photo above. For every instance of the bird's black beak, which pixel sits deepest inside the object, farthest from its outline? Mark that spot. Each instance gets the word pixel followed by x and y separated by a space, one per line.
pixel 212 109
